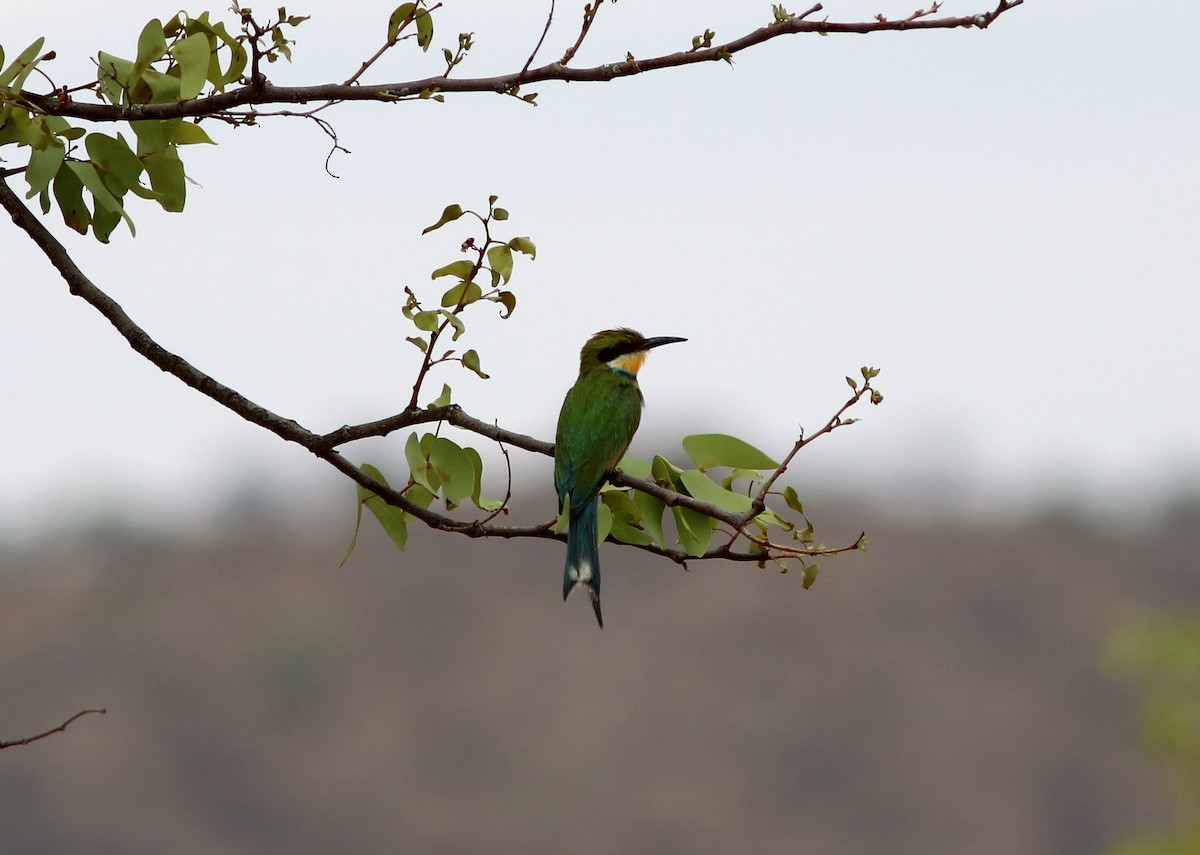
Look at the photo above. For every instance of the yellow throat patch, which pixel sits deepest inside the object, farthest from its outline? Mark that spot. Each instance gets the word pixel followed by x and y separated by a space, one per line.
pixel 629 363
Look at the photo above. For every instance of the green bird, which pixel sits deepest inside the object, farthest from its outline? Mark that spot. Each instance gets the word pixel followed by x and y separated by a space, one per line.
pixel 598 419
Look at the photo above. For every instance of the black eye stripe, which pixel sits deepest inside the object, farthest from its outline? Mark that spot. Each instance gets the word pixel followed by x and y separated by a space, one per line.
pixel 610 353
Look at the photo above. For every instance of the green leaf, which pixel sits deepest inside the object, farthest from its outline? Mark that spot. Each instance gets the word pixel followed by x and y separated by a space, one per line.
pixel 454 469
pixel 769 518
pixel 427 321
pixel 192 53
pixel 695 530
pixel 461 268
pixel 664 472
pixel 454 321
pixel 151 135
pixel 652 509
pixel 14 76
pixel 418 495
pixel 167 179
pixel 499 214
pixel 523 245
pixel 850 382
pixel 104 223
pixel 238 56
pixel 32 131
pixel 604 522
pixel 633 467
pixel 442 400
pixel 424 28
pixel 752 475
pixel 450 214
pixel 164 88
pixel 105 200
pixel 43 165
pixel 500 259
pixel 400 17
pixel 464 293
pixel 626 517
pixel 484 504
pixel 189 133
pixel 392 519
pixel 509 300
pixel 418 465
pixel 793 499
pixel 358 505
pixel 809 575
pixel 717 449
pixel 68 193
pixel 115 77
pixel 620 503
pixel 470 361
pixel 113 156
pixel 152 44
pixel 62 129
pixel 701 487
pixel 419 343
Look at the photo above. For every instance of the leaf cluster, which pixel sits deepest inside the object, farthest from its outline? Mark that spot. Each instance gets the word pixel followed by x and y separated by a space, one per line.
pixel 89 174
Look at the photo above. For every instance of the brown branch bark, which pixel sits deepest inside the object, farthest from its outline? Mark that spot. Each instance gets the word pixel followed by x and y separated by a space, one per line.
pixel 62 727
pixel 268 93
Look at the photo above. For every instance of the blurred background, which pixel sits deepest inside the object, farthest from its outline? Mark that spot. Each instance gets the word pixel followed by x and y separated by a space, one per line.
pixel 1002 221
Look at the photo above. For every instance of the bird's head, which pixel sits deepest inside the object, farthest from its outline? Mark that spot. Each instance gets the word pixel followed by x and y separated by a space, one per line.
pixel 621 350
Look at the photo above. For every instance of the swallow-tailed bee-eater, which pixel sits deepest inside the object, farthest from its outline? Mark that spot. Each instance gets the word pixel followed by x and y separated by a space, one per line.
pixel 598 419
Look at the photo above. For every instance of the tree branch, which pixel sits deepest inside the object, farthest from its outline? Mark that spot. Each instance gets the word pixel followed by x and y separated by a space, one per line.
pixel 324 446
pixel 62 727
pixel 268 93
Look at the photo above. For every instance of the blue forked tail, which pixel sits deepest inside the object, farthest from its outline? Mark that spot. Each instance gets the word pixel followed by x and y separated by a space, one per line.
pixel 583 555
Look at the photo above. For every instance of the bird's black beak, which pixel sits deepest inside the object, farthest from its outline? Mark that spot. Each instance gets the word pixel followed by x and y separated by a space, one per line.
pixel 661 340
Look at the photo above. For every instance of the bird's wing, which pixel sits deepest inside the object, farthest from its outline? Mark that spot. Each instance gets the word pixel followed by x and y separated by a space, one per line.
pixel 594 431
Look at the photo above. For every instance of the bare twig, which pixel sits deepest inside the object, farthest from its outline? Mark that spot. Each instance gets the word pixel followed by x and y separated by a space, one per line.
pixel 538 46
pixel 503 509
pixel 589 15
pixel 62 727
pixel 831 425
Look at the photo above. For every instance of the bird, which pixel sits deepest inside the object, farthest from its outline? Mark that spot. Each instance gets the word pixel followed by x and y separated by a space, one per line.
pixel 599 417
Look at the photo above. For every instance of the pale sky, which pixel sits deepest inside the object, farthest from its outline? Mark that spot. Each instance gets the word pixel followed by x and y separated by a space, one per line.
pixel 1005 222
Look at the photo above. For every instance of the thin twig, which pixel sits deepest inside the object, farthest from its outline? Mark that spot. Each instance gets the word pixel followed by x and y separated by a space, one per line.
pixel 589 15
pixel 503 509
pixel 389 44
pixel 538 46
pixel 51 731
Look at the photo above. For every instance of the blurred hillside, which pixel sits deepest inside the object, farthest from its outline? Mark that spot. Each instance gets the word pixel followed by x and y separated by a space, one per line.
pixel 938 693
